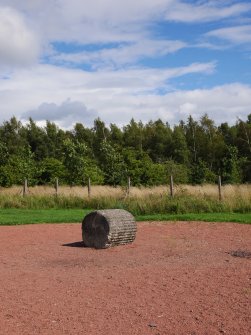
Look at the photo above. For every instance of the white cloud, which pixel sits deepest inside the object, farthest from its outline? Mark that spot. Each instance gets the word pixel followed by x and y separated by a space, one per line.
pixel 18 44
pixel 65 114
pixel 118 89
pixel 118 11
pixel 222 103
pixel 128 23
pixel 206 11
pixel 236 35
pixel 94 21
pixel 57 81
pixel 90 21
pixel 116 96
pixel 121 55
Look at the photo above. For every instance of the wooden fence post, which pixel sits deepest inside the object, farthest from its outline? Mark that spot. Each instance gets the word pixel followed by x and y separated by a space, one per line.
pixel 25 187
pixel 56 187
pixel 171 186
pixel 128 185
pixel 89 187
pixel 219 188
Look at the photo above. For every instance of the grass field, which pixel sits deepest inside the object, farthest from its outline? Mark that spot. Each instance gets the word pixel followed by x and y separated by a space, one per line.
pixel 72 203
pixel 30 216
pixel 207 217
pixel 27 216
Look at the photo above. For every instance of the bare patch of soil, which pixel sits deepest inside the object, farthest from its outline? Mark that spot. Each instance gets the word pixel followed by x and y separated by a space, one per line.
pixel 176 278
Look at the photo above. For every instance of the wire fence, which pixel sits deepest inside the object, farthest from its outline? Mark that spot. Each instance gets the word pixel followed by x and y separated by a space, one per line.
pixel 171 189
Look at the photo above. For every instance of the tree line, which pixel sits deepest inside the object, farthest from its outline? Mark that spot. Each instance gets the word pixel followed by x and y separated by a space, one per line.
pixel 192 151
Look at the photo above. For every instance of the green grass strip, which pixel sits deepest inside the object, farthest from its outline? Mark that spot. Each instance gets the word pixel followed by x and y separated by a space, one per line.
pixel 207 217
pixel 30 216
pixel 10 217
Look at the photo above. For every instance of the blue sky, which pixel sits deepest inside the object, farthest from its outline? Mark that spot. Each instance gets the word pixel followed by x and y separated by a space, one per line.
pixel 74 61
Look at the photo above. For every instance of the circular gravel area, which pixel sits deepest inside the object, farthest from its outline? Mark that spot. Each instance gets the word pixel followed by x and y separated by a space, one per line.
pixel 176 278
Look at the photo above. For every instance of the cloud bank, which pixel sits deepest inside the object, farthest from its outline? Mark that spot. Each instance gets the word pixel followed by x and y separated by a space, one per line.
pixel 71 61
pixel 18 44
pixel 67 113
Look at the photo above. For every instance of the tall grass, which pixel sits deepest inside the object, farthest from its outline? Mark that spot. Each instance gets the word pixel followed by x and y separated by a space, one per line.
pixel 141 201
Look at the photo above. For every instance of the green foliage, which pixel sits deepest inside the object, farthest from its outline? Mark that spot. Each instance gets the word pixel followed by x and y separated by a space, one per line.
pixel 74 160
pixel 195 151
pixel 231 166
pixel 19 167
pixel 180 172
pixel 93 172
pixel 142 170
pixel 201 174
pixel 157 140
pixel 36 137
pixel 50 169
pixel 12 133
pixel 79 166
pixel 3 154
pixel 112 164
pixel 133 135
pixel 155 174
pixel 136 164
pixel 179 146
pixel 246 168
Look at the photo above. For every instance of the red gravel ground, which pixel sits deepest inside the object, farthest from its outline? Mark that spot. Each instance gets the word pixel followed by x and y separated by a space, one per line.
pixel 175 279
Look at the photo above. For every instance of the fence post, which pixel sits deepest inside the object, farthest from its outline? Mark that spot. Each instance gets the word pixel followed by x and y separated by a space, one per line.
pixel 171 186
pixel 128 185
pixel 25 187
pixel 89 187
pixel 56 186
pixel 219 188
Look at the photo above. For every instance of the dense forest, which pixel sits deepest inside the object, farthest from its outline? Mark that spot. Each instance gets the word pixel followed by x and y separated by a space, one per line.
pixel 192 151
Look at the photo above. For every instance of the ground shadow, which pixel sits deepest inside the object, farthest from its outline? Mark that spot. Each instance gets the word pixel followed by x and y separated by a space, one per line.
pixel 79 244
pixel 240 253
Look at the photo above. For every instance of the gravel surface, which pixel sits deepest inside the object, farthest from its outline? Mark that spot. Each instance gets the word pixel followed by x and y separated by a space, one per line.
pixel 176 278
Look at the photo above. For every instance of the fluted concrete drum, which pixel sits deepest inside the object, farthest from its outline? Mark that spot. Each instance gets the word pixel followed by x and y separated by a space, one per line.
pixel 105 228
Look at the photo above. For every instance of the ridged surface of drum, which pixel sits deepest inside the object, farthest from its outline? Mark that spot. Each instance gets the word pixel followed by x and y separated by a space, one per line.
pixel 109 227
